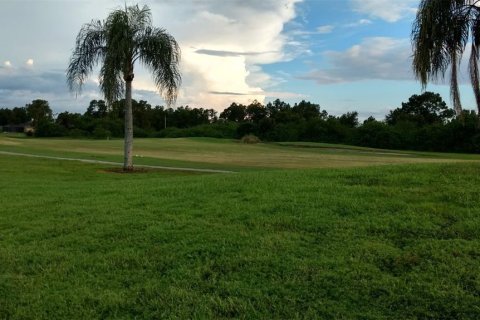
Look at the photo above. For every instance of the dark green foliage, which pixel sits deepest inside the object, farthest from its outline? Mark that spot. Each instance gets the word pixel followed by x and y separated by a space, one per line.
pixel 245 129
pixel 425 109
pixel 306 110
pixel 101 133
pixel 49 129
pixel 141 133
pixel 97 109
pixel 349 119
pixel 424 122
pixel 70 121
pixel 256 112
pixel 376 134
pixel 225 130
pixel 236 113
pixel 39 111
pixel 13 116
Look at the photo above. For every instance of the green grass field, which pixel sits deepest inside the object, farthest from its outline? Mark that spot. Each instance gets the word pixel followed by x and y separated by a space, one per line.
pixel 225 154
pixel 318 241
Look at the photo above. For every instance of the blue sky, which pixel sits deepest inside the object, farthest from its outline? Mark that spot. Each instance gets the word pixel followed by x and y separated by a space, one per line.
pixel 345 55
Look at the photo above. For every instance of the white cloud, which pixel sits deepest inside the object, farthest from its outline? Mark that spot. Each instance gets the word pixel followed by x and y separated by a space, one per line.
pixel 325 29
pixel 374 58
pixel 224 44
pixel 248 32
pixel 361 22
pixel 7 64
pixel 29 62
pixel 388 10
pixel 364 21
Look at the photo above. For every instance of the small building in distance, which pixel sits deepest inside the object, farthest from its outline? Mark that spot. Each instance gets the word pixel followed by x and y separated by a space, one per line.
pixel 22 127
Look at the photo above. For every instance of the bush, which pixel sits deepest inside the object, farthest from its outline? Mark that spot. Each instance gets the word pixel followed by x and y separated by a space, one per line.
pixel 225 130
pixel 49 129
pixel 375 134
pixel 77 133
pixel 246 129
pixel 285 132
pixel 170 132
pixel 101 133
pixel 140 133
pixel 250 139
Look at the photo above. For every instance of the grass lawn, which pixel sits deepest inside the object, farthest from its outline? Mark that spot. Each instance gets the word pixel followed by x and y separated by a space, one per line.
pixel 78 241
pixel 225 154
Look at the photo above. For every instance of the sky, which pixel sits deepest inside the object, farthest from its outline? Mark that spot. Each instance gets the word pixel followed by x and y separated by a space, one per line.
pixel 345 55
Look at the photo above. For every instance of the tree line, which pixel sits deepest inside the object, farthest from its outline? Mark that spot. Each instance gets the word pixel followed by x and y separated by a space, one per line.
pixel 424 122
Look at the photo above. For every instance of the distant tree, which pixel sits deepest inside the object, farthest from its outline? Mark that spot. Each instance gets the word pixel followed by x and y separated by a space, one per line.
pixel 235 112
pixel 369 119
pixel 376 134
pixel 19 115
pixel 424 109
pixel 307 110
pixel 256 111
pixel 276 106
pixel 125 37
pixel 5 116
pixel 349 119
pixel 69 120
pixel 39 111
pixel 142 111
pixel 13 116
pixel 97 109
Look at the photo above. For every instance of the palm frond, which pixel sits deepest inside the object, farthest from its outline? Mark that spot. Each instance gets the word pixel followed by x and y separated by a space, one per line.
pixel 474 56
pixel 159 52
pixel 111 80
pixel 124 37
pixel 440 34
pixel 89 50
pixel 139 18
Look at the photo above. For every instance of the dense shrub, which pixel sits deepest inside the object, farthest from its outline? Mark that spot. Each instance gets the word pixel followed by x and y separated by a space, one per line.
pixel 101 133
pixel 250 139
pixel 49 129
pixel 375 134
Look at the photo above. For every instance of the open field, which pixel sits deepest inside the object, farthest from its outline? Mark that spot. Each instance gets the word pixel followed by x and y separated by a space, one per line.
pixel 224 154
pixel 78 241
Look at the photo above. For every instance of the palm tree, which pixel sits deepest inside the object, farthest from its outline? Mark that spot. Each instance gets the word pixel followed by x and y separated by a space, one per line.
pixel 125 37
pixel 440 35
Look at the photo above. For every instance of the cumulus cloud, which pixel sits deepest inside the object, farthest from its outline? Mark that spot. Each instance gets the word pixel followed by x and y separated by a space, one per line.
pixel 387 10
pixel 374 58
pixel 224 45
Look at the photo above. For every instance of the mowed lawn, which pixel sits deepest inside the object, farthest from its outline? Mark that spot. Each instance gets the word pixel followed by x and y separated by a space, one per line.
pixel 78 241
pixel 224 154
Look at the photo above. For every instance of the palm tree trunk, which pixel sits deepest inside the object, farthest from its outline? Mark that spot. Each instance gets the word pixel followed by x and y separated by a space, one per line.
pixel 128 146
pixel 454 92
pixel 474 76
